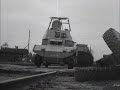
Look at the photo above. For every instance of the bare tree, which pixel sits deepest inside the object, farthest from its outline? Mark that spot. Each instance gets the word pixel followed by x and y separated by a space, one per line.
pixel 5 45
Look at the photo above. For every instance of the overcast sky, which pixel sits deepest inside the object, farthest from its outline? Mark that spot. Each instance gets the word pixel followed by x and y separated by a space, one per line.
pixel 89 20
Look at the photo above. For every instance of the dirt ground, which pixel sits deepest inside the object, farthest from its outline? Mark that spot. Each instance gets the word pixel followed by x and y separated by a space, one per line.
pixel 8 71
pixel 69 83
pixel 58 82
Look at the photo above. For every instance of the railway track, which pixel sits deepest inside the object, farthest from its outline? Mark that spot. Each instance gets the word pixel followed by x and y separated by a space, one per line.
pixel 22 82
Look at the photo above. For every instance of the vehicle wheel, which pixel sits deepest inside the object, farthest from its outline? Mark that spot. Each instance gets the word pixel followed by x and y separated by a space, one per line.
pixel 38 65
pixel 70 65
pixel 46 65
pixel 37 60
pixel 62 64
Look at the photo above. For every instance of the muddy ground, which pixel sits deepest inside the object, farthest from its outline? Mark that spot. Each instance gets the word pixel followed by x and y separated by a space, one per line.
pixel 64 80
pixel 69 83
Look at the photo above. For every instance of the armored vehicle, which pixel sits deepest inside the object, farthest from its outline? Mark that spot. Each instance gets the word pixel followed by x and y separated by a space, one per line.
pixel 57 45
pixel 84 56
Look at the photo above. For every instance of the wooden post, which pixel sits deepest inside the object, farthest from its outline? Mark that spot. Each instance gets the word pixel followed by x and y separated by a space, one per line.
pixel 28 47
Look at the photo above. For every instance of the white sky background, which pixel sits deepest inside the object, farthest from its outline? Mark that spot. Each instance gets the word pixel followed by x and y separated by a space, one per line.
pixel 89 20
